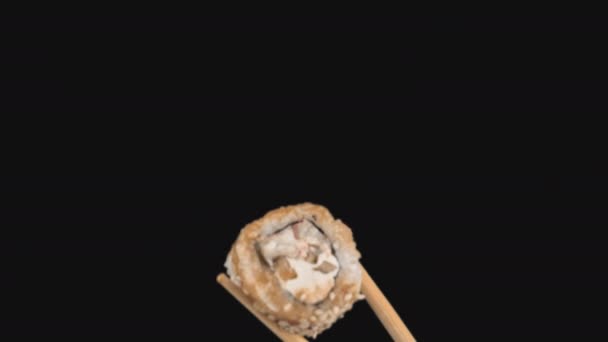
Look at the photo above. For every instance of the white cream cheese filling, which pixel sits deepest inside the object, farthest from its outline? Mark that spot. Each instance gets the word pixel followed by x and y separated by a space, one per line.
pixel 310 268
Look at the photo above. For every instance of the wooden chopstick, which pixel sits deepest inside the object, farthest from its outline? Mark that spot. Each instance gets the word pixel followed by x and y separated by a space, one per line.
pixel 240 296
pixel 384 310
pixel 375 298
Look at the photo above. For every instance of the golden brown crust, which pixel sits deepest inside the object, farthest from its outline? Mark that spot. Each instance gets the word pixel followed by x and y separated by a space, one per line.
pixel 260 283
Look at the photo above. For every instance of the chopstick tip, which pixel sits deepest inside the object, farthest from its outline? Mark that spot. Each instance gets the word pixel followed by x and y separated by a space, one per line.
pixel 220 277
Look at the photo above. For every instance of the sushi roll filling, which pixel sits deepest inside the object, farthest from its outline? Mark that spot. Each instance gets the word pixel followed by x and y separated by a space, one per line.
pixel 302 259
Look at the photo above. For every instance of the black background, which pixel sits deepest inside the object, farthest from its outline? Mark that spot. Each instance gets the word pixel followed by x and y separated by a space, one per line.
pixel 182 129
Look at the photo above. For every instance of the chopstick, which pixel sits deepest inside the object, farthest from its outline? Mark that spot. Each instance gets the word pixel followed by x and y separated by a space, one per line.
pixel 375 298
pixel 384 310
pixel 240 296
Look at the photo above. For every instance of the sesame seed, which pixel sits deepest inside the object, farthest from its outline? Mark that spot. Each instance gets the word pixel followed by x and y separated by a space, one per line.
pixel 336 309
pixel 332 295
pixel 313 318
pixel 348 297
pixel 318 312
pixel 287 307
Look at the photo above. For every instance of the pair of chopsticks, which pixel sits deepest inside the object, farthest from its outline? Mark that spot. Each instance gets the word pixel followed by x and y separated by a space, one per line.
pixel 375 298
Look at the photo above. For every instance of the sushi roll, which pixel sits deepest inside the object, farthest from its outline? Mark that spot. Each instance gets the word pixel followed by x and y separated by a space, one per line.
pixel 299 267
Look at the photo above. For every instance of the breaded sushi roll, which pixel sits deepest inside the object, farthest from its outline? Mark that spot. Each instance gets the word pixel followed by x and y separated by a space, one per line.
pixel 299 266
